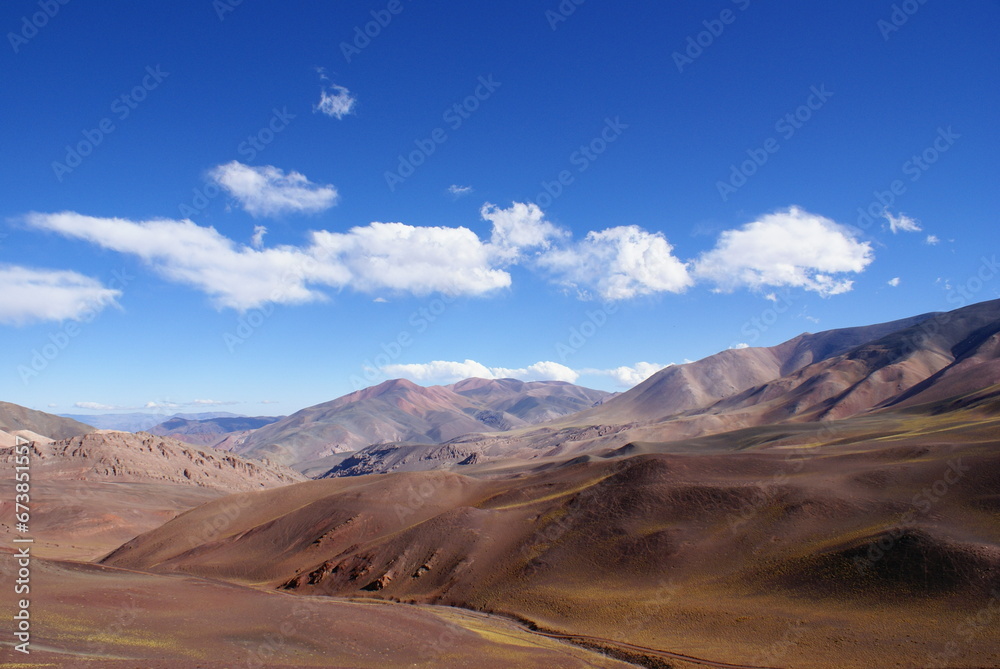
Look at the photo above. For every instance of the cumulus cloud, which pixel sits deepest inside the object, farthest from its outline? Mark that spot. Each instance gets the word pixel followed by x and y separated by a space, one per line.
pixel 790 248
pixel 419 260
pixel 32 295
pixel 459 191
pixel 619 263
pixel 629 376
pixel 335 101
pixel 932 240
pixel 518 228
pixel 901 223
pixel 893 281
pixel 740 345
pixel 269 191
pixel 378 256
pixel 444 371
pixel 450 371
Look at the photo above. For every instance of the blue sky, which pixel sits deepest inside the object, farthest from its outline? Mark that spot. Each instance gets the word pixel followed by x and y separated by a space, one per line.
pixel 275 208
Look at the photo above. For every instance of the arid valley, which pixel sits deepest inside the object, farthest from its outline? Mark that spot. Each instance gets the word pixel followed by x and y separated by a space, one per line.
pixel 829 502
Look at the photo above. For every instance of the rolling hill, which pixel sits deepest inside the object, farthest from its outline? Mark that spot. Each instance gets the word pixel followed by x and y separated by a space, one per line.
pixel 401 411
pixel 14 418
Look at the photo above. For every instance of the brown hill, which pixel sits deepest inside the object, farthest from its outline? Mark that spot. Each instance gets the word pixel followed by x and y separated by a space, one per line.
pixel 700 384
pixel 716 550
pixel 14 418
pixel 143 457
pixel 401 411
pixel 904 363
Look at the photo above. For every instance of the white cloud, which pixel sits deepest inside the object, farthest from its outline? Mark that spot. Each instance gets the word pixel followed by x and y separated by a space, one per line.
pixel 517 228
pixel 380 300
pixel 162 405
pixel 619 263
pixel 894 281
pixel 335 101
pixel 901 223
pixel 419 260
pixel 257 241
pixel 378 256
pixel 270 402
pixel 787 248
pixel 97 406
pixel 444 371
pixel 30 295
pixel 459 191
pixel 629 376
pixel 450 371
pixel 211 403
pixel 932 240
pixel 740 345
pixel 268 191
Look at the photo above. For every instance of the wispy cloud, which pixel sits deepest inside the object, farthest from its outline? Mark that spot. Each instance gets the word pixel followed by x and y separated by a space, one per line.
pixel 32 295
pixel 894 281
pixel 151 405
pixel 901 223
pixel 269 191
pixel 334 100
pixel 932 240
pixel 97 406
pixel 257 241
pixel 459 191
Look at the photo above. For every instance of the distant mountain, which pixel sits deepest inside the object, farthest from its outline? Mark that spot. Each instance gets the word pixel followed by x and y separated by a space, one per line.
pixel 137 422
pixel 143 457
pixel 700 384
pixel 929 361
pixel 210 431
pixel 14 418
pixel 401 411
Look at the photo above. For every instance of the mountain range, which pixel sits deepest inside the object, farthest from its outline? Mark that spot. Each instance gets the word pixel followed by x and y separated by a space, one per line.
pixel 763 507
pixel 401 411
